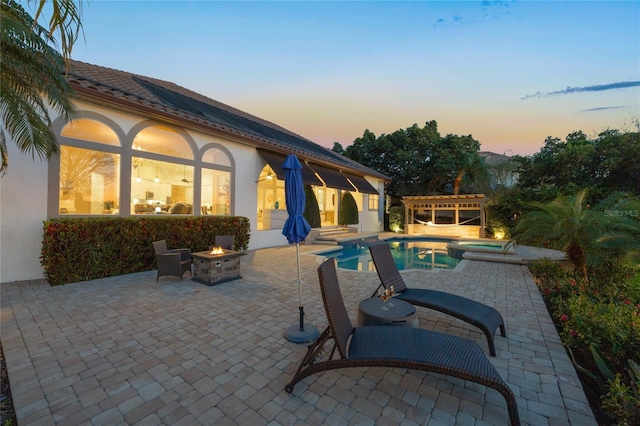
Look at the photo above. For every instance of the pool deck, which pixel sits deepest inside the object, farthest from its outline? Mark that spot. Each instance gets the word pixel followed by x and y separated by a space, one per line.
pixel 130 350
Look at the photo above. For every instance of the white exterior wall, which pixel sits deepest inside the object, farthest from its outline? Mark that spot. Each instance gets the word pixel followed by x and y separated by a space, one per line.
pixel 24 188
pixel 373 220
pixel 23 208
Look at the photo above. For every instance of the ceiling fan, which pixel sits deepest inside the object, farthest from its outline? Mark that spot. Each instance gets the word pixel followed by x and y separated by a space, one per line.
pixel 184 175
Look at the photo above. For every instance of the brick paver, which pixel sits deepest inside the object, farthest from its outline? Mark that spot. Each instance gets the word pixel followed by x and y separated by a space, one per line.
pixel 128 349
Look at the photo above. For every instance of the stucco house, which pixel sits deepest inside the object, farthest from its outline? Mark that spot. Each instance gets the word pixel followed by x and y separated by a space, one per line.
pixel 502 169
pixel 144 146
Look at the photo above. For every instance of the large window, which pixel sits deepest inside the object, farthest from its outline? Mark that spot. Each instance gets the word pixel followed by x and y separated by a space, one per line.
pixel 155 169
pixel 89 176
pixel 161 186
pixel 88 181
pixel 216 182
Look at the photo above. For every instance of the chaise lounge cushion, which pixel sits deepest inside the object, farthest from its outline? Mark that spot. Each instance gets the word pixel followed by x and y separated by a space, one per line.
pixel 485 317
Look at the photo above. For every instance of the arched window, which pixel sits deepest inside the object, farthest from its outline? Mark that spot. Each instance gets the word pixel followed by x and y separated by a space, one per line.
pixel 272 210
pixel 154 168
pixel 162 172
pixel 89 168
pixel 215 189
pixel 86 129
pixel 162 140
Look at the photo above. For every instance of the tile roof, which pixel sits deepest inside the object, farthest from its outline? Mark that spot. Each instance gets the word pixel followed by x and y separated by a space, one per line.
pixel 149 96
pixel 494 159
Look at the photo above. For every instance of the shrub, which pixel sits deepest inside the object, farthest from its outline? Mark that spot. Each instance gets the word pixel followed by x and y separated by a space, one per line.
pixel 554 282
pixel 79 249
pixel 396 219
pixel 348 214
pixel 599 323
pixel 622 400
pixel 613 328
pixel 614 281
pixel 311 209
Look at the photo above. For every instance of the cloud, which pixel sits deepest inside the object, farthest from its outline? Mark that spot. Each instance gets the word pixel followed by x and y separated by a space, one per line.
pixel 595 88
pixel 604 108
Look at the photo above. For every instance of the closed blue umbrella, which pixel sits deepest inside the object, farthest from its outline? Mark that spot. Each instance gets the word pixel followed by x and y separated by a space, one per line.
pixel 296 229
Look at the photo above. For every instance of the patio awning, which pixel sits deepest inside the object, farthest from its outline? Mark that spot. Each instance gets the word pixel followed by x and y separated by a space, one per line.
pixel 275 161
pixel 332 178
pixel 361 184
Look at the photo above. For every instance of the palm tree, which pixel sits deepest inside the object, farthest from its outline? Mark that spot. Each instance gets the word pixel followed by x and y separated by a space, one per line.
pixel 621 235
pixel 32 75
pixel 608 231
pixel 566 222
pixel 473 172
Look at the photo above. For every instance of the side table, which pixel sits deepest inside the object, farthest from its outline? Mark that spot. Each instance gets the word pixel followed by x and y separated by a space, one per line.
pixel 375 311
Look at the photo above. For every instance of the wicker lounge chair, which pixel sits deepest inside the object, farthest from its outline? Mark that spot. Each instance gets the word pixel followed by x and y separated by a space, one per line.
pixel 482 316
pixel 394 347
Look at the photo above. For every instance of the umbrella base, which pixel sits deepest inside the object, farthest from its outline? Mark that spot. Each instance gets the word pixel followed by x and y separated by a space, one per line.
pixel 295 335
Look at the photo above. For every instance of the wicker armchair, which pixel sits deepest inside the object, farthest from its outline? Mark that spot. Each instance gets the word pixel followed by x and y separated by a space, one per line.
pixel 172 262
pixel 341 345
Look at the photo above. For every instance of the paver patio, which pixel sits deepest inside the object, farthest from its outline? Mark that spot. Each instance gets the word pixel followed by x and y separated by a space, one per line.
pixel 130 350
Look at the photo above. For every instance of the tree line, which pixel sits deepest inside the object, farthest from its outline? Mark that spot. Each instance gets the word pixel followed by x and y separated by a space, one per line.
pixel 420 161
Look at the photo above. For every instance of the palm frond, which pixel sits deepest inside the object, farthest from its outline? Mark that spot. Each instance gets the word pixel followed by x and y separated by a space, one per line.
pixel 32 80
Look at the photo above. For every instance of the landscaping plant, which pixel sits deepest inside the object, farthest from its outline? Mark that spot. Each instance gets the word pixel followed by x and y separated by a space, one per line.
pixel 80 249
pixel 599 324
pixel 311 208
pixel 596 304
pixel 348 214
pixel 396 219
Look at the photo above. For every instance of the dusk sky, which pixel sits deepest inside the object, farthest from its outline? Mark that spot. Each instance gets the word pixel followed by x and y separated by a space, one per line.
pixel 508 73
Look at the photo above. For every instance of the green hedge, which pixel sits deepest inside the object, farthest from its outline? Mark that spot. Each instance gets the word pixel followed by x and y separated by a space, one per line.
pixel 80 249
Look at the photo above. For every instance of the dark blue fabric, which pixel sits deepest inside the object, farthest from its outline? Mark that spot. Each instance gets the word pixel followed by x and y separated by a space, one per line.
pixel 296 228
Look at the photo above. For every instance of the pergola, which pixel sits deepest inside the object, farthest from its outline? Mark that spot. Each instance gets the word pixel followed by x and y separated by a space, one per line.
pixel 450 215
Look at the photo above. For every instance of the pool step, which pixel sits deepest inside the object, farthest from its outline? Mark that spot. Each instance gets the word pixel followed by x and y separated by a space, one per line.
pixel 325 235
pixel 334 236
pixel 498 257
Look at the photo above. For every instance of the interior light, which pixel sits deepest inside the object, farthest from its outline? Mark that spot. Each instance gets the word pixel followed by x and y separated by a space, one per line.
pixel 269 176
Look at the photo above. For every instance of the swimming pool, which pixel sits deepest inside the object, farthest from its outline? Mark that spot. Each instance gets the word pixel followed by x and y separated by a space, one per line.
pixel 407 253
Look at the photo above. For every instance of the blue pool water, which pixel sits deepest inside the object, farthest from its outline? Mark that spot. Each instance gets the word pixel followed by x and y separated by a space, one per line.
pixel 483 246
pixel 419 253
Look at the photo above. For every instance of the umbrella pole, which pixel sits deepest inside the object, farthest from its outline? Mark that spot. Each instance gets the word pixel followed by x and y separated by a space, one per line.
pixel 297 333
pixel 300 288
